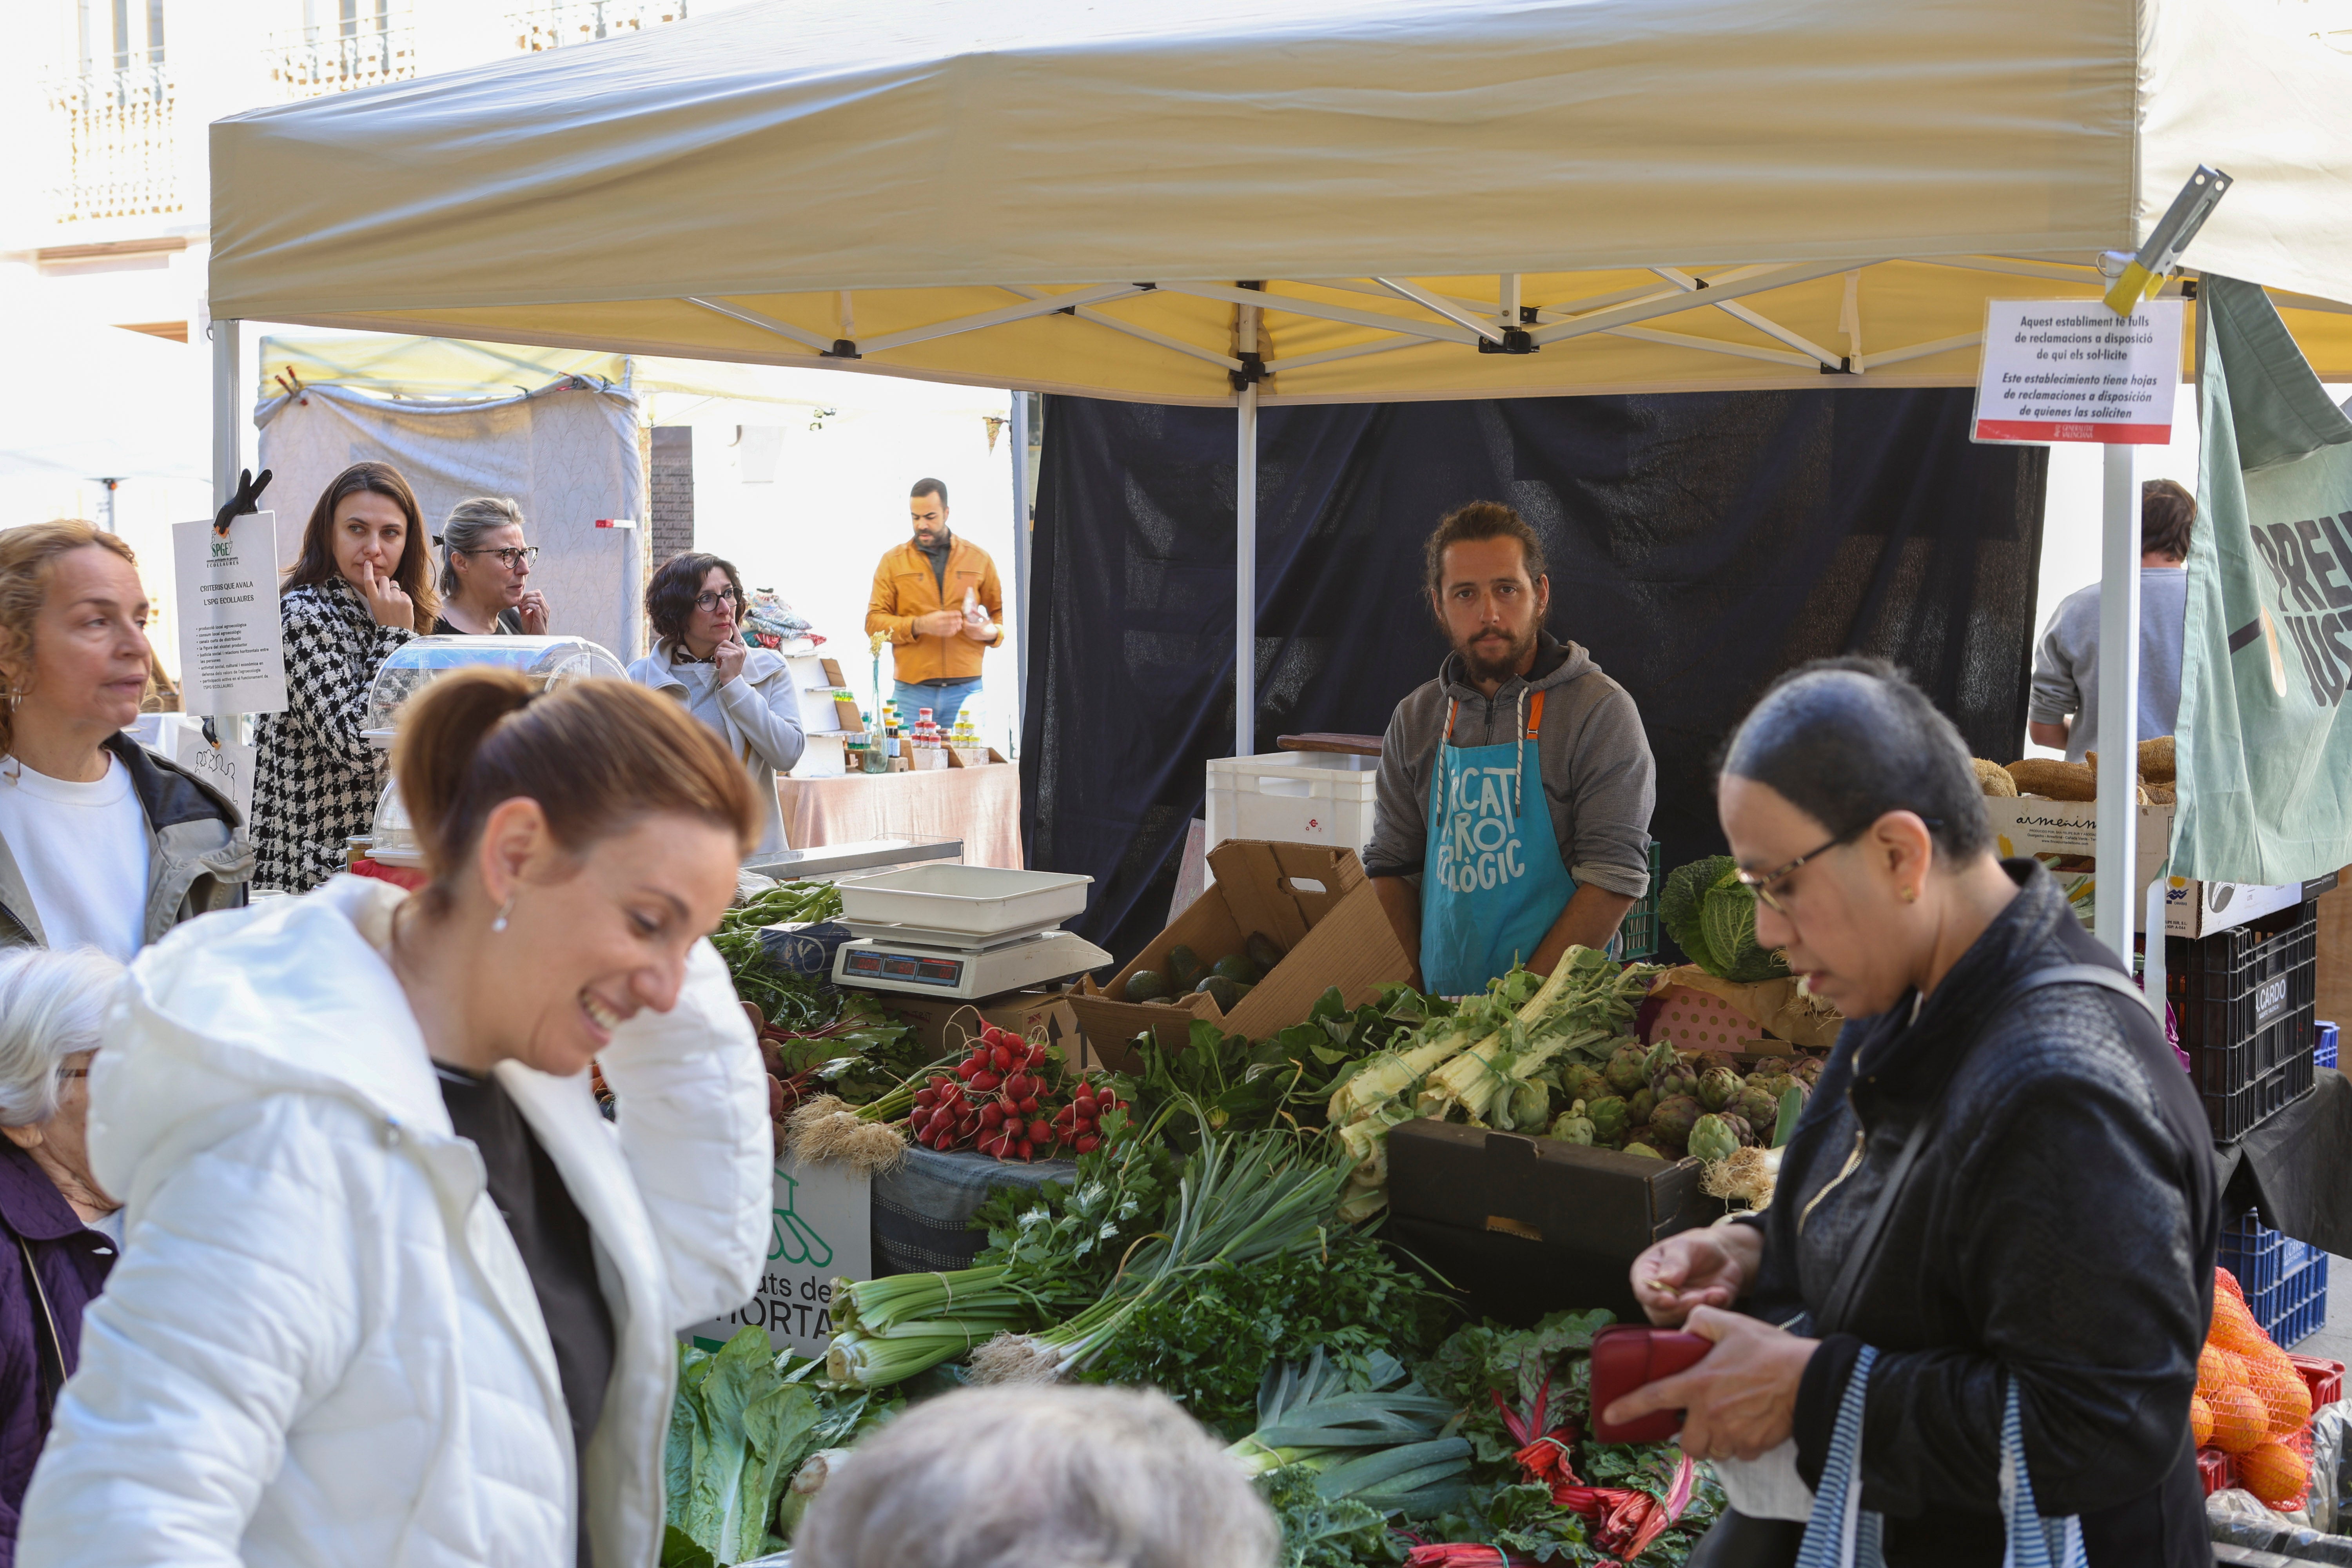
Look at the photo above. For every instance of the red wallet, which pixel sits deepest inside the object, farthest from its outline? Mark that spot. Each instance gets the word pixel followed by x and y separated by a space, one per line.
pixel 1625 1357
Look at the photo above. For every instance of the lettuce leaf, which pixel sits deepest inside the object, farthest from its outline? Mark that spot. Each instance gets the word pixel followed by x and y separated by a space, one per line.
pixel 1678 906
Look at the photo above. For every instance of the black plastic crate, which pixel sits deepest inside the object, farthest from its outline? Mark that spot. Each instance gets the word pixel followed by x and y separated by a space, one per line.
pixel 2238 1111
pixel 2246 1002
pixel 2235 983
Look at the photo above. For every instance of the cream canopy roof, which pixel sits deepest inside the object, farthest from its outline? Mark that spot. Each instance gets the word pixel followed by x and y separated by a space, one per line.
pixel 931 185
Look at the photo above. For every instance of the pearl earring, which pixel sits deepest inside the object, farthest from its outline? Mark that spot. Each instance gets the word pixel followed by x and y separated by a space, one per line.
pixel 504 910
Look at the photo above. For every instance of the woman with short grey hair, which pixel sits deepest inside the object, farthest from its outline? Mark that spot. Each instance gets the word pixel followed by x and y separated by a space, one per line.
pixel 53 1005
pixel 1021 1476
pixel 485 569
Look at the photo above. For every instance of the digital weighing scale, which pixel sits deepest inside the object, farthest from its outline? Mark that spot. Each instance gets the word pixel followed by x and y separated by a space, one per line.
pixel 964 931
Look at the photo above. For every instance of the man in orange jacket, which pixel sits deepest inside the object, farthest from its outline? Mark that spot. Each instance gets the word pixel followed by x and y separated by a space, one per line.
pixel 937 600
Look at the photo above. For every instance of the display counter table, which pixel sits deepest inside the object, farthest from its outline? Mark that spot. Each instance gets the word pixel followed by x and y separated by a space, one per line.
pixel 980 805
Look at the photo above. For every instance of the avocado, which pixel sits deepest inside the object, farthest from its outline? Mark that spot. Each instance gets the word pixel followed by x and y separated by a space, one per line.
pixel 1225 993
pixel 1238 970
pixel 1146 985
pixel 1264 950
pixel 1184 967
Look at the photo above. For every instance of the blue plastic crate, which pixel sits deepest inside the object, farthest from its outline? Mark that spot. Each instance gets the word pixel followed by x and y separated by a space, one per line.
pixel 2255 1255
pixel 2323 1053
pixel 2296 1306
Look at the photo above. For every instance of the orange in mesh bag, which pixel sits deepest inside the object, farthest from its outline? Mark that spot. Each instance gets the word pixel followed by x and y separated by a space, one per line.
pixel 2236 1337
pixel 2239 1422
pixel 2276 1474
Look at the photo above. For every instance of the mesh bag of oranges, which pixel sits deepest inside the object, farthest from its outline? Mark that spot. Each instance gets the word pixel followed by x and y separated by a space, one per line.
pixel 2251 1402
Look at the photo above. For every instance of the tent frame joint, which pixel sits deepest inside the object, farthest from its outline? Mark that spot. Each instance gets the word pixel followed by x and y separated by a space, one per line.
pixel 842 348
pixel 1844 366
pixel 1253 370
pixel 1515 341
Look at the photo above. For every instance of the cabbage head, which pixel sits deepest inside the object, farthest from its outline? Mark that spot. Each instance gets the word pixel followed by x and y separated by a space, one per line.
pixel 1712 918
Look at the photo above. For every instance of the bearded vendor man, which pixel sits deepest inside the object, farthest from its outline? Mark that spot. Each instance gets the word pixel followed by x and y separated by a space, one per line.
pixel 1511 819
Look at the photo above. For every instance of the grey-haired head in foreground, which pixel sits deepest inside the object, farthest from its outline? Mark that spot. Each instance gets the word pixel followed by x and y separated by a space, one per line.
pixel 1846 740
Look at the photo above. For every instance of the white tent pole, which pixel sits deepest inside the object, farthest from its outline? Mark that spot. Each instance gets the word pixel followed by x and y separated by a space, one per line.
pixel 1245 574
pixel 1021 505
pixel 1245 543
pixel 2117 848
pixel 226 445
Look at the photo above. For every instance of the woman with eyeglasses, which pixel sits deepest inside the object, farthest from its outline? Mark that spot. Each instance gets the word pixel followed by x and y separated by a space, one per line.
pixel 2003 1188
pixel 485 571
pixel 59 1229
pixel 745 693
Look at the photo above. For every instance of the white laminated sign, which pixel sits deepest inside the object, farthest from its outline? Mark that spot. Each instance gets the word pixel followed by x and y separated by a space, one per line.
pixel 2072 370
pixel 819 1229
pixel 231 652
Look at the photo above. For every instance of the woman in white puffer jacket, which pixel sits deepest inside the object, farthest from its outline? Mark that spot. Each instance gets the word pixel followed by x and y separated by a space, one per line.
pixel 393 1293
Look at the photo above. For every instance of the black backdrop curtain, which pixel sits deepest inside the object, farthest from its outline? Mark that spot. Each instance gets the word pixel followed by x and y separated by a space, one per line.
pixel 1700 544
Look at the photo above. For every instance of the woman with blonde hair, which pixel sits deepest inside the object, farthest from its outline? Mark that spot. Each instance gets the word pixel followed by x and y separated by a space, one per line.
pixel 483 567
pixel 395 1291
pixel 361 588
pixel 102 843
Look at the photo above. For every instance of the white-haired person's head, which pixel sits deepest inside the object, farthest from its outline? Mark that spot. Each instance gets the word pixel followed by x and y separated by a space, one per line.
pixel 53 1008
pixel 1029 1477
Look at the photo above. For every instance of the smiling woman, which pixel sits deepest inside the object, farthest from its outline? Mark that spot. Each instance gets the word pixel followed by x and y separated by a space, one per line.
pixel 400 1160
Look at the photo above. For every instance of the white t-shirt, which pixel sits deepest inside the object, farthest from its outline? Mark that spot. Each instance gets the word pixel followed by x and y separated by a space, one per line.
pixel 82 851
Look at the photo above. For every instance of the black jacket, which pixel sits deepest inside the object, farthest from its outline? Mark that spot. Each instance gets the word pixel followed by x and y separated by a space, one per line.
pixel 2059 1227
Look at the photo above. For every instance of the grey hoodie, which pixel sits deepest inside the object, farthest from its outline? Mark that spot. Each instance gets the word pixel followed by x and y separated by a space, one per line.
pixel 1598 773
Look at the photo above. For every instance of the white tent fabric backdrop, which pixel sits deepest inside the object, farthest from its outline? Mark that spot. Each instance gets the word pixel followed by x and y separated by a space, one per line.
pixel 567 456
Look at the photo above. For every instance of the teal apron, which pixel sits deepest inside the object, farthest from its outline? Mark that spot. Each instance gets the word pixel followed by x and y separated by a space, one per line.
pixel 1492 883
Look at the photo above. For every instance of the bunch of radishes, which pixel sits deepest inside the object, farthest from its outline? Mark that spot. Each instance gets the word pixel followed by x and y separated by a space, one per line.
pixel 1002 1100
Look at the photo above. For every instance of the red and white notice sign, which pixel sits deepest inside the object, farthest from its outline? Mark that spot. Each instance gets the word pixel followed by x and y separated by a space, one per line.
pixel 2072 370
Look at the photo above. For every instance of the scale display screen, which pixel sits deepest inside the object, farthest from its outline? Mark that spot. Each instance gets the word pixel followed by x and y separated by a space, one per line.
pixel 906 968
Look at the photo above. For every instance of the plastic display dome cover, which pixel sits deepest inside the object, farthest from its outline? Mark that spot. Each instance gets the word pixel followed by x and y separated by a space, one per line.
pixel 417 663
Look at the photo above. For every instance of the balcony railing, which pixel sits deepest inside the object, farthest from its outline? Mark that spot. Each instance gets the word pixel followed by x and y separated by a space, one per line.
pixel 378 49
pixel 118 157
pixel 553 24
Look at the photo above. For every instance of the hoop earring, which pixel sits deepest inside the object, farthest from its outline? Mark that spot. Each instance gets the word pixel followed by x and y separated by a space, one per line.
pixel 504 910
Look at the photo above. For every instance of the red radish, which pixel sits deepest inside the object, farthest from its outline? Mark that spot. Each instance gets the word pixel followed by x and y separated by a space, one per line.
pixel 1087 1143
pixel 1029 1106
pixel 992 1115
pixel 984 1081
pixel 1026 1153
pixel 1038 1132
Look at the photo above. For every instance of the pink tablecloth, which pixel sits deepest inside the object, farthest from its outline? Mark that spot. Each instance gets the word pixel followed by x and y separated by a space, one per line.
pixel 980 805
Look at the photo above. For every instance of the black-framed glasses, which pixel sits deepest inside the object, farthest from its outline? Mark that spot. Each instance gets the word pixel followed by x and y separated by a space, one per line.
pixel 512 556
pixel 710 601
pixel 1762 882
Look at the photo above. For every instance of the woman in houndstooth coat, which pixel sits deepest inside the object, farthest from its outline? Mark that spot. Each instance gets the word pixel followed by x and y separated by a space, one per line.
pixel 361 587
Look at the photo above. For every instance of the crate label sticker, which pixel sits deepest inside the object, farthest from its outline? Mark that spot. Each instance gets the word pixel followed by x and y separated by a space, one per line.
pixel 2270 1001
pixel 820 1230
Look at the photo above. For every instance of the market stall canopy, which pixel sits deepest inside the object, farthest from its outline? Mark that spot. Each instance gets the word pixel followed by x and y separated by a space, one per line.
pixel 1440 198
pixel 446 368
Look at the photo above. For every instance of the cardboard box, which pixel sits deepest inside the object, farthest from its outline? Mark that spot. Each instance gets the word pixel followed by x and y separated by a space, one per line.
pixel 2063 835
pixel 944 1024
pixel 1313 900
pixel 1526 1226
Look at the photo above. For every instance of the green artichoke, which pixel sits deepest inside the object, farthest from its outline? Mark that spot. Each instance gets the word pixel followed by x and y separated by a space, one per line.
pixel 1711 1140
pixel 1529 1105
pixel 1739 1127
pixel 1580 1080
pixel 1573 1126
pixel 1760 1109
pixel 1608 1119
pixel 1644 1151
pixel 1666 1082
pixel 1674 1118
pixel 1717 1089
pixel 1639 1105
pixel 1628 1070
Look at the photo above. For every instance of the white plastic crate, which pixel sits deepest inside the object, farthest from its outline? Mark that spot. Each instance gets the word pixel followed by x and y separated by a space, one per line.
pixel 1292 797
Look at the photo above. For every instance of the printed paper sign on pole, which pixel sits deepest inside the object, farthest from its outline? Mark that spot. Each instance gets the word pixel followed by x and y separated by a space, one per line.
pixel 821 1229
pixel 232 654
pixel 2072 370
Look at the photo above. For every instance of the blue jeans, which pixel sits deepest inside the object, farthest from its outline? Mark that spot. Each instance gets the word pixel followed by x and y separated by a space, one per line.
pixel 944 701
